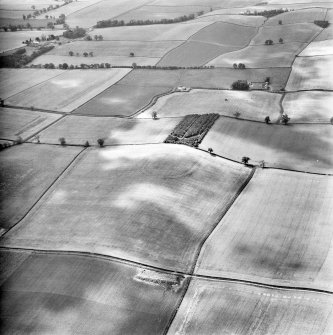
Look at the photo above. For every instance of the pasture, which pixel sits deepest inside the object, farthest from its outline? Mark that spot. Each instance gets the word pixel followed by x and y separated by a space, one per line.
pixel 241 309
pixel 269 237
pixel 312 106
pixel 318 48
pixel 22 123
pixel 301 147
pixel 27 170
pixel 69 90
pixel 134 202
pixel 67 294
pixel 79 129
pixel 311 73
pixel 252 105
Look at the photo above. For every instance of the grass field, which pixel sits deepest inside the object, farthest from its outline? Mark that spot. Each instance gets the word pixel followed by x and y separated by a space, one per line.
pixel 309 106
pixel 319 48
pixel 297 147
pixel 260 56
pixel 63 294
pixel 326 34
pixel 311 73
pixel 69 90
pixel 79 129
pixel 241 309
pixel 268 236
pixel 140 199
pixel 16 122
pixel 25 174
pixel 251 105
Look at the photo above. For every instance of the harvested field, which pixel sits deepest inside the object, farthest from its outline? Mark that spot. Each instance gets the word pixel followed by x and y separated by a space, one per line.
pixel 26 174
pixel 296 146
pixel 320 48
pixel 299 33
pixel 260 56
pixel 311 73
pixel 79 129
pixel 194 53
pixel 66 294
pixel 269 237
pixel 309 106
pixel 140 199
pixel 241 309
pixel 253 105
pixel 69 90
pixel 14 81
pixel 23 123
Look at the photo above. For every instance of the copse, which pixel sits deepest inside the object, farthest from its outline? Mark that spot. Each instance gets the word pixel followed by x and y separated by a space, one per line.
pixel 74 33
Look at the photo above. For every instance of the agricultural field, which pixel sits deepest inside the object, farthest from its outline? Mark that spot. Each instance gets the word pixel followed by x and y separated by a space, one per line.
pixel 311 73
pixel 26 4
pixel 66 294
pixel 253 105
pixel 311 106
pixel 261 56
pixel 140 200
pixel 318 48
pixel 69 90
pixel 241 309
pixel 267 236
pixel 22 123
pixel 251 21
pixel 25 181
pixel 114 131
pixel 326 34
pixel 301 147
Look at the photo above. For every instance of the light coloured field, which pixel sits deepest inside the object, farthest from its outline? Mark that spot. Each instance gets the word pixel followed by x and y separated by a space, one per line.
pixel 252 21
pixel 326 34
pixel 260 56
pixel 297 147
pixel 14 81
pixel 212 307
pixel 65 294
pixel 269 237
pixel 225 34
pixel 69 90
pixel 194 53
pixel 208 3
pixel 23 123
pixel 140 200
pixel 309 106
pixel 27 170
pixel 300 33
pixel 79 129
pixel 26 4
pixel 311 73
pixel 252 105
pixel 320 48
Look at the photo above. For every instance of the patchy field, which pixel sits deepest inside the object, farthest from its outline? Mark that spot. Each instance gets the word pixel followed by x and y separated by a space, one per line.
pixel 241 309
pixel 66 294
pixel 23 123
pixel 296 146
pixel 309 106
pixel 311 73
pixel 79 129
pixel 14 81
pixel 25 174
pixel 319 48
pixel 252 105
pixel 140 201
pixel 260 56
pixel 69 90
pixel 268 236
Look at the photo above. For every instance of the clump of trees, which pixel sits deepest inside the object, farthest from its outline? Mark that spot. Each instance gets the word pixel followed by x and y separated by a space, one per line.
pixel 322 23
pixel 269 42
pixel 62 141
pixel 74 33
pixel 240 66
pixel 267 13
pixel 285 119
pixel 245 160
pixel 242 85
pixel 100 142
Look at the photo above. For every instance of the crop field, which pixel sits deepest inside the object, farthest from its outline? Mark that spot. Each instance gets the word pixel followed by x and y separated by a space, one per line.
pixel 252 21
pixel 69 90
pixel 299 33
pixel 319 48
pixel 141 204
pixel 301 147
pixel 260 56
pixel 326 34
pixel 67 294
pixel 311 73
pixel 252 105
pixel 26 180
pixel 312 106
pixel 79 129
pixel 240 309
pixel 23 123
pixel 267 235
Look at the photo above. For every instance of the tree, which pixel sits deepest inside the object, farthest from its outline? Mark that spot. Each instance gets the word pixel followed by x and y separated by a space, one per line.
pixel 154 115
pixel 2 102
pixel 100 37
pixel 65 66
pixel 71 67
pixel 280 40
pixel 267 120
pixel 51 66
pixel 100 142
pixel 107 65
pixel 24 17
pixel 280 21
pixel 131 54
pixel 241 66
pixel 237 115
pixel 210 150
pixel 91 54
pixel 85 54
pixel 96 37
pixel 71 53
pixel 50 25
pixel 285 119
pixel 33 7
pixel 134 65
pixel 235 66
pixel 88 38
pixel 269 42
pixel 331 120
pixel 86 145
pixel 62 141
pixel 245 160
